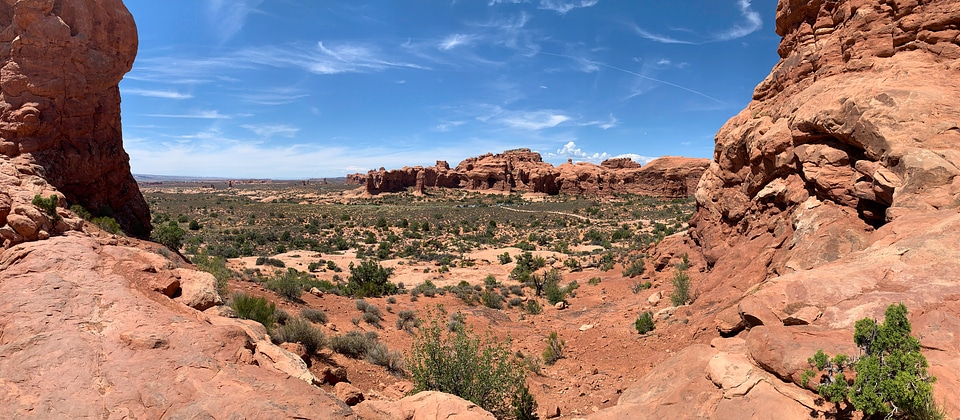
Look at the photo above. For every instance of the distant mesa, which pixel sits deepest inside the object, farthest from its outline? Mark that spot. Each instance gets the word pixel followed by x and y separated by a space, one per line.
pixel 524 171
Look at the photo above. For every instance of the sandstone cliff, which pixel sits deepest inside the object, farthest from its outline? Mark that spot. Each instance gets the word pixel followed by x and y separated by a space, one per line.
pixel 524 171
pixel 832 195
pixel 60 103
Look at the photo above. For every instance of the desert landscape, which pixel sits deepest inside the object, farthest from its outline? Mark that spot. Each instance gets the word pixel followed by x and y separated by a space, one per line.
pixel 826 224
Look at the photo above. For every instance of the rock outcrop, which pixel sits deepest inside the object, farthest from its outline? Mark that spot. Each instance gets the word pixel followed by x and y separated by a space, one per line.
pixel 832 195
pixel 84 333
pixel 60 103
pixel 524 171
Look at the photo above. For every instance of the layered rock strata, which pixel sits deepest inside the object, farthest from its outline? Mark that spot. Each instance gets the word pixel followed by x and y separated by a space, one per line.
pixel 62 62
pixel 832 195
pixel 524 171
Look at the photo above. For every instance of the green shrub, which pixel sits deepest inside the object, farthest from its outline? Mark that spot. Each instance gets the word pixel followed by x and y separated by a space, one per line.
pixel 407 320
pixel 594 281
pixel 635 268
pixel 108 224
pixel 353 344
pixel 255 308
pixel 681 288
pixel 637 287
pixel 644 323
pixel 170 235
pixel 299 330
pixel 533 307
pixel 217 266
pixel 282 316
pixel 484 372
pixel 554 349
pixel 505 258
pixel 270 261
pixel 48 205
pixel 379 354
pixel 491 300
pixel 194 225
pixel 314 315
pixel 891 373
pixel 288 284
pixel 552 290
pixel 80 211
pixel 527 264
pixel 369 279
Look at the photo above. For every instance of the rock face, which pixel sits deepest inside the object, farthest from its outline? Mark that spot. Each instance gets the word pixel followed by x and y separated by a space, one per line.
pixel 85 335
pixel 524 171
pixel 832 195
pixel 60 102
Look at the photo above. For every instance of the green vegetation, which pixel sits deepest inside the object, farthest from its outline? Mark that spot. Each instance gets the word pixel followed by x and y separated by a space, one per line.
pixel 891 373
pixel 635 268
pixel 288 284
pixel 48 205
pixel 681 285
pixel 369 279
pixel 314 315
pixel 644 323
pixel 554 349
pixel 255 308
pixel 299 330
pixel 484 372
pixel 170 235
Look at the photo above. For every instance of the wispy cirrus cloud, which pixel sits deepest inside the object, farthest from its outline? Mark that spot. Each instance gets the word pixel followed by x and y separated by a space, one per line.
pixel 321 59
pixel 456 40
pixel 164 94
pixel 602 124
pixel 229 16
pixel 750 23
pixel 564 6
pixel 524 120
pixel 272 130
pixel 201 115
pixel 277 96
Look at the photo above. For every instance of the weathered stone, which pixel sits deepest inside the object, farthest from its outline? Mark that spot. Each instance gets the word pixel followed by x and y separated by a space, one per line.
pixel 348 393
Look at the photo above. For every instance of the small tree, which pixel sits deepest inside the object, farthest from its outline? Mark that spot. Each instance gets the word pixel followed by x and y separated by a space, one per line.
pixel 891 373
pixel 644 323
pixel 170 235
pixel 369 279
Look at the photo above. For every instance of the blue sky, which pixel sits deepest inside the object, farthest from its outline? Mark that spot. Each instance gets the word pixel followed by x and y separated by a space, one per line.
pixel 292 89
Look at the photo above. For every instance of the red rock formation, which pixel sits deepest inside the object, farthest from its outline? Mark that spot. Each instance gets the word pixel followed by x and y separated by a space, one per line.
pixel 832 195
pixel 60 104
pixel 524 171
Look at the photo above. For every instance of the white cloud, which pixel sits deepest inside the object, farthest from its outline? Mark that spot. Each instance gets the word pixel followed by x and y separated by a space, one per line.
pixel 740 30
pixel 564 6
pixel 570 150
pixel 751 23
pixel 202 115
pixel 229 16
pixel 525 120
pixel 663 39
pixel 643 160
pixel 272 130
pixel 455 40
pixel 165 94
pixel 448 125
pixel 605 125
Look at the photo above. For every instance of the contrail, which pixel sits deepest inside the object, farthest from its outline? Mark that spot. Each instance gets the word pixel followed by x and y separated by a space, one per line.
pixel 636 74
